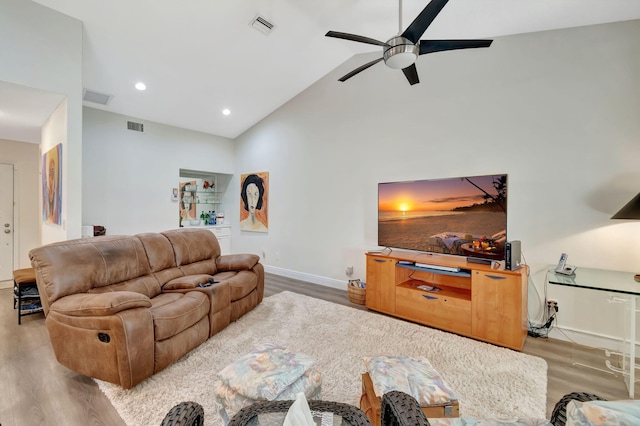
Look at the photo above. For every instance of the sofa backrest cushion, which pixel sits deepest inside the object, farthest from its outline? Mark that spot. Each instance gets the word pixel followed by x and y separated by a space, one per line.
pixel 196 250
pixel 92 265
pixel 162 259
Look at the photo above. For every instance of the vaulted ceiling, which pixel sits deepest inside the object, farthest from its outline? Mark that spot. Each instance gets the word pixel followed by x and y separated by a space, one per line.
pixel 198 57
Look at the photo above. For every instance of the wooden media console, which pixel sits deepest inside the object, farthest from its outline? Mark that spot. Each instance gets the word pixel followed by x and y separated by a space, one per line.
pixel 470 299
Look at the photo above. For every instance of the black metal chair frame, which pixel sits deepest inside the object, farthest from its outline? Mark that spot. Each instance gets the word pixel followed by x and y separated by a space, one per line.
pixel 397 409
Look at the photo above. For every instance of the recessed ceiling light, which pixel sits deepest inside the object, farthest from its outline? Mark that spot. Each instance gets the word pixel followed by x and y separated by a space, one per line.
pixel 141 86
pixel 226 111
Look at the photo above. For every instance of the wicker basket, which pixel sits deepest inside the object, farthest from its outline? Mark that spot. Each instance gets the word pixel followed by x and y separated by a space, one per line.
pixel 356 294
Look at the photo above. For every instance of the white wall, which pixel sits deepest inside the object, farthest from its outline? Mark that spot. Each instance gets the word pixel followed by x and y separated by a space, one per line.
pixel 557 111
pixel 42 49
pixel 128 176
pixel 25 159
pixel 54 132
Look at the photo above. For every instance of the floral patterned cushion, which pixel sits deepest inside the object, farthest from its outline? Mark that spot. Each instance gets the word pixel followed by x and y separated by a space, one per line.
pixel 232 401
pixel 414 376
pixel 596 413
pixel 267 373
pixel 470 421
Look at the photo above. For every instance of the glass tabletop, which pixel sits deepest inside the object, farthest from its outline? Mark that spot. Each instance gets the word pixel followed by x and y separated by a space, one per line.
pixel 597 279
pixel 276 419
pixel 324 413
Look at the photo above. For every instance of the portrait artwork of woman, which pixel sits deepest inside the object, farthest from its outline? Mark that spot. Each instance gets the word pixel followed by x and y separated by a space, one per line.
pixel 52 186
pixel 187 201
pixel 253 204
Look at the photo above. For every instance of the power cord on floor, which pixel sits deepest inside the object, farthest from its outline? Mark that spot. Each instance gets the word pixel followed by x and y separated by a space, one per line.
pixel 549 313
pixel 542 330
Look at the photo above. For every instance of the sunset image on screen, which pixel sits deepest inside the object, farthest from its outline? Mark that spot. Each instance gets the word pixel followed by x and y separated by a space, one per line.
pixel 433 195
pixel 415 214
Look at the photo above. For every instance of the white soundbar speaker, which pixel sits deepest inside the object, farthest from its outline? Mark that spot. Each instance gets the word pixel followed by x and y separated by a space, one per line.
pixel 437 267
pixel 512 256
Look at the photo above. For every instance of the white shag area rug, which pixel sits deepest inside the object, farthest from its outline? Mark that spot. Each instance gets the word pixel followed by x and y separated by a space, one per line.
pixel 489 381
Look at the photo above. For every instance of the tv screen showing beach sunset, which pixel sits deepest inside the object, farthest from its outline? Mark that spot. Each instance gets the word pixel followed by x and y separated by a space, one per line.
pixel 443 215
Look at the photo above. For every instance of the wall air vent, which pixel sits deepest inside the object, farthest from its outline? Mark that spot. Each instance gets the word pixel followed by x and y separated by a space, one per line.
pixel 262 25
pixel 138 127
pixel 96 97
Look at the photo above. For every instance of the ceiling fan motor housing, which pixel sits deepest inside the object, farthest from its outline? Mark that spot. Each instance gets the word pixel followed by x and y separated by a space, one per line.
pixel 400 52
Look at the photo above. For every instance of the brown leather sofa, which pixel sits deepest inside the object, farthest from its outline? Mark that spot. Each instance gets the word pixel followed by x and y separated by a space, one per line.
pixel 122 308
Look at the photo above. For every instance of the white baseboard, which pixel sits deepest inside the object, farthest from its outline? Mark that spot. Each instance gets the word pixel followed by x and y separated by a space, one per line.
pixel 302 276
pixel 588 339
pixel 6 284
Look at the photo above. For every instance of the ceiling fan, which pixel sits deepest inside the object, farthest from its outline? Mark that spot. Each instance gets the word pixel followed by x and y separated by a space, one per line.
pixel 401 51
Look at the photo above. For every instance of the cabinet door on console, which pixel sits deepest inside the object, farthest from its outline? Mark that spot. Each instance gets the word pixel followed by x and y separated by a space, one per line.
pixel 498 304
pixel 381 284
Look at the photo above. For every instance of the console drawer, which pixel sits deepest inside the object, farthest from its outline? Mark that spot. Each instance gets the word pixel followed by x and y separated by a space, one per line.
pixel 435 309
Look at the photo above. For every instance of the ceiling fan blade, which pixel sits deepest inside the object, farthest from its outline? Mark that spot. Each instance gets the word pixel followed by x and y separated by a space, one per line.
pixel 411 72
pixel 354 37
pixel 423 20
pixel 430 46
pixel 359 69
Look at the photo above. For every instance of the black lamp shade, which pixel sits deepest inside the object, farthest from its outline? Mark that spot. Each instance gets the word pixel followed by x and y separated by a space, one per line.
pixel 631 210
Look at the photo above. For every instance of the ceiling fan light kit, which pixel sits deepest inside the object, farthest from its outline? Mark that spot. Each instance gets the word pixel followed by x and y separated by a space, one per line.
pixel 402 51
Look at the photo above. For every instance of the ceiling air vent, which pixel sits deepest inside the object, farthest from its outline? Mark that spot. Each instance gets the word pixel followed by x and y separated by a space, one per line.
pixel 96 97
pixel 261 24
pixel 138 127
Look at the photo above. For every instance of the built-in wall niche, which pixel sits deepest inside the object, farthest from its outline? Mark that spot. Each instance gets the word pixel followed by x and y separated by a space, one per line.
pixel 198 192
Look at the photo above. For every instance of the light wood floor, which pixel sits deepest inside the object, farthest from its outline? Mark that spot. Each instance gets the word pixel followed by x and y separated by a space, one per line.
pixel 36 390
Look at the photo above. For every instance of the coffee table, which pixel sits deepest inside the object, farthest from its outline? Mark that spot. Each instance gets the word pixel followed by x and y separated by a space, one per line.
pixel 274 412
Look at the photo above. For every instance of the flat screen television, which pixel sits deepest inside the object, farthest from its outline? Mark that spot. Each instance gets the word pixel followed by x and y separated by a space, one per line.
pixel 464 216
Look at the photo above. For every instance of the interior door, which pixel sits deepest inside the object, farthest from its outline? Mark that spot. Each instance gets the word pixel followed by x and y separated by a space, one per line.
pixel 6 222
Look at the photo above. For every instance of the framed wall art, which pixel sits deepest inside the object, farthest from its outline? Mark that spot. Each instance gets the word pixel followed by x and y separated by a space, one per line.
pixel 187 205
pixel 52 186
pixel 254 202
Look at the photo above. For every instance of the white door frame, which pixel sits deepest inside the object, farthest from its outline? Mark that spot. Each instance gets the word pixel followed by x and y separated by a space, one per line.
pixel 7 221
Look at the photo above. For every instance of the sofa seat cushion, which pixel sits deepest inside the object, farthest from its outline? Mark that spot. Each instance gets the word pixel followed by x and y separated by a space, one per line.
pixel 175 312
pixel 241 283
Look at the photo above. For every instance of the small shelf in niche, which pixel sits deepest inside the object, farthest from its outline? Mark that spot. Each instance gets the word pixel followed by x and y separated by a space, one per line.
pixel 203 197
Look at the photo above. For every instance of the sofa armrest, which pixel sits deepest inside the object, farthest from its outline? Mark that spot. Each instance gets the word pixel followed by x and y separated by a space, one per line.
pixel 187 282
pixel 99 304
pixel 236 262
